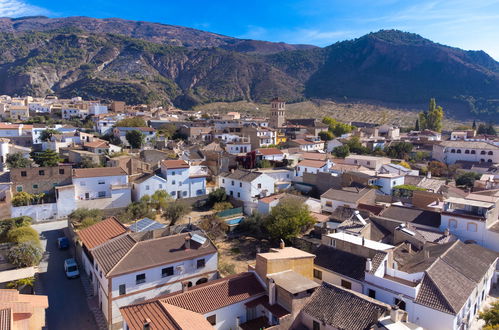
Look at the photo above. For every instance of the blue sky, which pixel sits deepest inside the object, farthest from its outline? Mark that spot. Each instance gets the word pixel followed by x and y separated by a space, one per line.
pixel 468 24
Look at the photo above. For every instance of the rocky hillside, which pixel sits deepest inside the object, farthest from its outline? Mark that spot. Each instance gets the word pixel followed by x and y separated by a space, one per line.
pixel 146 62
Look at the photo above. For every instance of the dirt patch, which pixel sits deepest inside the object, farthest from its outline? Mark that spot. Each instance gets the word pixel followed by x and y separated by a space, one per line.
pixel 239 252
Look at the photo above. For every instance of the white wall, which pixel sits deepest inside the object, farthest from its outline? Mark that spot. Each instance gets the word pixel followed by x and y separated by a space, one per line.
pixel 94 185
pixel 463 231
pixel 334 204
pixel 334 278
pixel 246 191
pixel 226 316
pixel 40 212
pixel 148 187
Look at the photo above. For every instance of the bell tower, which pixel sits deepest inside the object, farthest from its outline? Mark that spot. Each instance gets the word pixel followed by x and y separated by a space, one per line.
pixel 277 113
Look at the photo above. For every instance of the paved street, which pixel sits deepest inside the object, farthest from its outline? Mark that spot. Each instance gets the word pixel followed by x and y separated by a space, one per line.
pixel 68 308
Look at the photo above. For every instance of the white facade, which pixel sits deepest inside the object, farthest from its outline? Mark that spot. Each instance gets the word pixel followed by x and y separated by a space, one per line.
pixel 261 186
pixel 184 182
pixel 238 147
pixel 97 187
pixel 97 109
pixel 148 187
pixel 386 182
pixel 450 152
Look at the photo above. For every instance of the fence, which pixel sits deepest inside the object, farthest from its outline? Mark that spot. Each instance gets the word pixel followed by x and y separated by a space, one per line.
pixel 39 212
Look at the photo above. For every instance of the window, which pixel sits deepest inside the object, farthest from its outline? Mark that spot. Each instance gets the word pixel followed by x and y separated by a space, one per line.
pixel 19 188
pixel 83 184
pixel 102 194
pixel 180 183
pixel 482 152
pixel 458 151
pixel 372 293
pixel 240 184
pixel 141 278
pixel 173 172
pixel 346 284
pixel 172 193
pixel 160 186
pixel 102 182
pixel 238 194
pixel 400 303
pixel 316 325
pixel 490 153
pixel 471 227
pixel 212 319
pixel 147 187
pixel 61 171
pixel 223 180
pixel 41 172
pixel 466 151
pixel 329 203
pixel 453 151
pixel 35 186
pixel 452 224
pixel 168 271
pixel 200 263
pixel 184 193
pixel 232 183
pixel 259 186
pixel 231 193
pixel 317 274
pixel 122 289
pixel 473 152
pixel 23 173
pixel 173 181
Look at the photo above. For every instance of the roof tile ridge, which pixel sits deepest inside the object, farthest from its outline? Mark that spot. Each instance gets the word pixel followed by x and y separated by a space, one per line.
pixel 449 306
pixel 124 256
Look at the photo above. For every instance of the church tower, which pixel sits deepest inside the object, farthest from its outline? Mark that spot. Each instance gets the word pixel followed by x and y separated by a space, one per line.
pixel 277 113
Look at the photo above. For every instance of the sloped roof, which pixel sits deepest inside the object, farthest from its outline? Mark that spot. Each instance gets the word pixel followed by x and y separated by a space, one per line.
pixel 344 309
pixel 312 163
pixel 101 232
pixel 98 172
pixel 269 151
pixel 412 215
pixel 242 175
pixel 349 194
pixel 340 262
pixel 175 163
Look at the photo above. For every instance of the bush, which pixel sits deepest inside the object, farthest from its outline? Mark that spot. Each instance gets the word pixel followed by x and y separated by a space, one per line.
pixel 78 215
pixel 222 206
pixel 23 234
pixel 87 222
pixel 226 268
pixel 176 210
pixel 252 225
pixel 25 254
pixel 341 151
pixel 217 196
pixel 467 179
pixel 8 224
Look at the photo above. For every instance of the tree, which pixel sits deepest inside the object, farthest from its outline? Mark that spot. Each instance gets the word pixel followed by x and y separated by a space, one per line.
pixel 22 198
pixel 138 210
pixel 487 129
pixel 474 124
pixel 176 210
pixel 491 316
pixel 167 130
pixel 264 163
pixel 288 219
pixel 400 150
pixel 216 196
pixel 131 122
pixel 326 135
pixel 17 160
pixel 9 224
pixel 437 168
pixel 341 151
pixel 160 199
pixel 416 127
pixel 78 215
pixel 356 146
pixel 336 127
pixel 47 158
pixel 25 254
pixel 135 138
pixel 431 119
pixel 213 226
pixel 47 134
pixel 23 234
pixel 467 179
pixel 21 283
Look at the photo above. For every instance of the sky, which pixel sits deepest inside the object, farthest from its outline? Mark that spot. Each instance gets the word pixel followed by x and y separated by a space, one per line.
pixel 467 24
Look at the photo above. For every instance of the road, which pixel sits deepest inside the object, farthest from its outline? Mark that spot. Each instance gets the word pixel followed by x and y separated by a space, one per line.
pixel 68 308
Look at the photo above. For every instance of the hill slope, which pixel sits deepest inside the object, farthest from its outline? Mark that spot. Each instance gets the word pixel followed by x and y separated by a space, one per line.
pixel 148 62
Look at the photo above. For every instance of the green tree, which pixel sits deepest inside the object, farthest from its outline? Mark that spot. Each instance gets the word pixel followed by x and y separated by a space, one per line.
pixel 326 135
pixel 167 130
pixel 467 179
pixel 9 224
pixel 336 127
pixel 356 146
pixel 487 129
pixel 437 168
pixel 400 150
pixel 474 124
pixel 135 138
pixel 431 119
pixel 77 216
pixel 17 160
pixel 47 134
pixel 25 254
pixel 23 234
pixel 264 163
pixel 131 122
pixel 288 219
pixel 22 283
pixel 341 151
pixel 416 127
pixel 216 196
pixel 138 210
pixel 47 158
pixel 491 316
pixel 22 198
pixel 176 210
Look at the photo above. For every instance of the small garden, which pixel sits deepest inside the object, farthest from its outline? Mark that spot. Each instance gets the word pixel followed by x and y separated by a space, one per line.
pixel 24 247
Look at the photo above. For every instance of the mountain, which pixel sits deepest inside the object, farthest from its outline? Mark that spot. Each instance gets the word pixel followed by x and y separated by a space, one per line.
pixel 141 62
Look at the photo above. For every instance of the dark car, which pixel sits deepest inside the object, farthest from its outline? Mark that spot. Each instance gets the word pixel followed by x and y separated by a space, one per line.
pixel 63 243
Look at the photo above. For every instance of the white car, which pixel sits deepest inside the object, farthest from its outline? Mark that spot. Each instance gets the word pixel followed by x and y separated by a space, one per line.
pixel 71 268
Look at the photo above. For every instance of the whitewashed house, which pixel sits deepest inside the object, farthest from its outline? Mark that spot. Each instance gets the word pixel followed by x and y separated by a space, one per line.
pixel 386 181
pixel 182 179
pixel 270 154
pixel 450 152
pixel 148 132
pixel 147 184
pixel 312 166
pixel 246 185
pixel 307 145
pixel 371 162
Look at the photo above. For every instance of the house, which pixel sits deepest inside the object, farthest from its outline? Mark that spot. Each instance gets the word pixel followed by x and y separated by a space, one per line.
pixel 307 145
pixel 19 112
pixel 147 184
pixel 371 162
pixel 259 136
pixel 273 154
pixel 397 169
pixel 347 196
pixel 22 311
pixel 182 179
pixel 68 113
pixel 246 185
pixel 266 204
pixel 105 187
pixel 449 152
pixel 424 135
pixel 312 166
pixel 387 181
pixel 462 135
pixel 37 180
pixel 123 275
pixel 238 146
pixel 149 133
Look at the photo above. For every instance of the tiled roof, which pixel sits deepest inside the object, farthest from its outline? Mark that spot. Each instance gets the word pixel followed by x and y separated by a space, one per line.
pixel 344 309
pixel 111 252
pixel 101 232
pixel 349 195
pixel 96 144
pixel 340 262
pixel 217 294
pixel 98 172
pixel 174 163
pixel 468 144
pixel 269 151
pixel 412 215
pixel 242 175
pixel 312 163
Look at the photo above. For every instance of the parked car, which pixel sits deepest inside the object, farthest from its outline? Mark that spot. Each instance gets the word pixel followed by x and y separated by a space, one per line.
pixel 71 268
pixel 63 243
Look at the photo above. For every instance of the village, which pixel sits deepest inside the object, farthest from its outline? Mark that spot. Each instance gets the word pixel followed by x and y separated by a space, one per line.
pixel 137 217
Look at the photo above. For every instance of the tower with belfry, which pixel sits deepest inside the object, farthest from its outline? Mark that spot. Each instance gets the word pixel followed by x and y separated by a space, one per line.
pixel 277 113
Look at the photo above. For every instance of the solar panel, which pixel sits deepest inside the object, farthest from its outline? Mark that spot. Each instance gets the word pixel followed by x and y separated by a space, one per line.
pixel 146 224
pixel 198 238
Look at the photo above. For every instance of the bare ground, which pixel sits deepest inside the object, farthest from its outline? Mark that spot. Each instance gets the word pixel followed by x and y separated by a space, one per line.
pixel 239 252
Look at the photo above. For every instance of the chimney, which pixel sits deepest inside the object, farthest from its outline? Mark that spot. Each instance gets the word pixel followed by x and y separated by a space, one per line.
pixel 187 243
pixel 369 264
pixel 395 315
pixel 426 253
pixel 446 232
pixel 231 170
pixel 428 174
pixel 185 286
pixel 271 292
pixel 281 244
pixel 147 324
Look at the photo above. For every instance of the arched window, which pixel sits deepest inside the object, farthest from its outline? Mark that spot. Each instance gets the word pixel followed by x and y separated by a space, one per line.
pixel 482 152
pixel 453 151
pixel 473 152
pixel 491 153
pixel 466 151
pixel 458 151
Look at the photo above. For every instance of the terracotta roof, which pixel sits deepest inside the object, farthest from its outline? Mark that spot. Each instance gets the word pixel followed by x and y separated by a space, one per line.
pixel 217 294
pixel 344 309
pixel 187 319
pixel 101 232
pixel 314 156
pixel 98 172
pixel 175 163
pixel 271 198
pixel 111 252
pixel 312 163
pixel 269 151
pixel 96 144
pixel 305 142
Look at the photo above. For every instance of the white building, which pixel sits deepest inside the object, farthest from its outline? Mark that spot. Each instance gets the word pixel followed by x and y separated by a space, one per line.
pixel 97 109
pixel 148 132
pixel 312 166
pixel 349 197
pixel 386 181
pixel 450 152
pixel 147 184
pixel 371 162
pixel 183 180
pixel 270 154
pixel 307 145
pixel 246 185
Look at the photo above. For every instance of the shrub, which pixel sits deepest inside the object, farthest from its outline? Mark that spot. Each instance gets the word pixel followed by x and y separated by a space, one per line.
pixel 8 224
pixel 78 215
pixel 467 179
pixel 23 234
pixel 87 222
pixel 226 268
pixel 222 206
pixel 25 254
pixel 217 196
